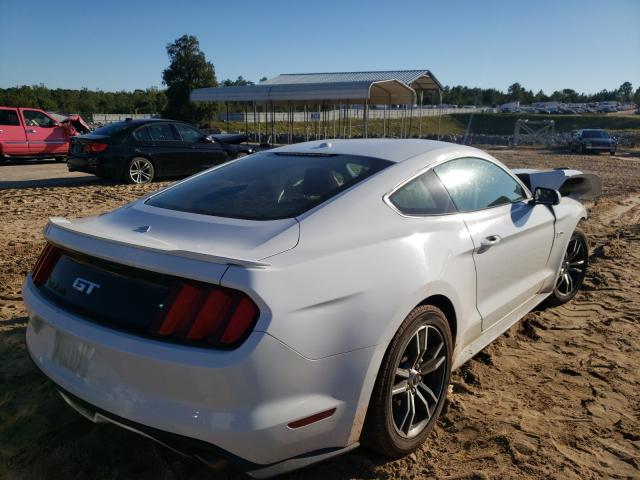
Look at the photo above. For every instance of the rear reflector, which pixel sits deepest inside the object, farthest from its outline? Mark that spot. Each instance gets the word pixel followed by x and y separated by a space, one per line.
pixel 207 314
pixel 45 263
pixel 312 419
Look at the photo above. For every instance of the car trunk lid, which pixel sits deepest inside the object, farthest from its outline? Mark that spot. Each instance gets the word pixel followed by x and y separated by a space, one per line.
pixel 186 244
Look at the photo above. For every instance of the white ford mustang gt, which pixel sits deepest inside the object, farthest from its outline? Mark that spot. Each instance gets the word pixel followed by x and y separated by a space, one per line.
pixel 285 307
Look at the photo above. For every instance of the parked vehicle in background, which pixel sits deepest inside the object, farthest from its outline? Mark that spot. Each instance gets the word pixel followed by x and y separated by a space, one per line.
pixel 34 133
pixel 592 140
pixel 139 151
pixel 278 310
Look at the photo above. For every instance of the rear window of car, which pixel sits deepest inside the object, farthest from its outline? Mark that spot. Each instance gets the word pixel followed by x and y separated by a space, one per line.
pixel 9 117
pixel 268 185
pixel 112 128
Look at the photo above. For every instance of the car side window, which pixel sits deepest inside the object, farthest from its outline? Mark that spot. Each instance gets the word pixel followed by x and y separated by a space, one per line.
pixel 142 134
pixel 188 134
pixel 34 118
pixel 9 118
pixel 476 184
pixel 424 195
pixel 161 132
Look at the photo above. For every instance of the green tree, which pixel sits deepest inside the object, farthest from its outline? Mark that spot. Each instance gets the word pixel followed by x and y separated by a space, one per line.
pixel 636 96
pixel 238 82
pixel 188 69
pixel 626 89
pixel 516 93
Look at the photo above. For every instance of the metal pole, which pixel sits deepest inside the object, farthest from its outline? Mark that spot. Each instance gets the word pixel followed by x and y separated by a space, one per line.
pixel 333 119
pixel 365 114
pixel 226 104
pixel 289 124
pixel 440 114
pixel 350 112
pixel 254 122
pixel 246 120
pixel 306 133
pixel 410 119
pixel 420 114
pixel 273 125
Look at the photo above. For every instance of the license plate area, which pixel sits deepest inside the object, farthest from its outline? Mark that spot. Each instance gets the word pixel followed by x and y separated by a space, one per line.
pixel 72 354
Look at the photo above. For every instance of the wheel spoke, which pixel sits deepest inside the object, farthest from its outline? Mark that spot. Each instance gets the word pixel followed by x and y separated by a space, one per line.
pixel 426 404
pixel 432 365
pixel 420 348
pixel 412 408
pixel 429 391
pixel 399 388
pixel 402 372
pixel 406 414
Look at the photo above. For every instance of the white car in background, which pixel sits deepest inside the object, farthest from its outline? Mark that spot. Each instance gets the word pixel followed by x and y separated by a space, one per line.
pixel 283 308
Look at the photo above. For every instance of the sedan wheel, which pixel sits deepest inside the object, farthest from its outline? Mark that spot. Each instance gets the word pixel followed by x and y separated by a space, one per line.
pixel 140 171
pixel 572 270
pixel 412 384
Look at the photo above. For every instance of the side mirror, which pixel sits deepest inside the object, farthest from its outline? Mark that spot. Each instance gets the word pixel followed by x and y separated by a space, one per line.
pixel 546 196
pixel 207 140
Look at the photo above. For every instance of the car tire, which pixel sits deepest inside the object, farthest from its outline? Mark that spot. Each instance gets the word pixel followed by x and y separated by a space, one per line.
pixel 61 159
pixel 572 271
pixel 406 399
pixel 140 170
pixel 612 153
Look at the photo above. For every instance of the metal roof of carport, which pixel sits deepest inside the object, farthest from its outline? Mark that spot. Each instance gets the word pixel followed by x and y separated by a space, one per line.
pixel 385 91
pixel 385 87
pixel 421 79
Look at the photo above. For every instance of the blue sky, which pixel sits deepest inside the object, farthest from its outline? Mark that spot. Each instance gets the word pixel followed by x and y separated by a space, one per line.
pixel 113 45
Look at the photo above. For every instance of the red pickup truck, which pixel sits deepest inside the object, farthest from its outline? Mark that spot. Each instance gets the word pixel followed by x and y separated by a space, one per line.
pixel 34 133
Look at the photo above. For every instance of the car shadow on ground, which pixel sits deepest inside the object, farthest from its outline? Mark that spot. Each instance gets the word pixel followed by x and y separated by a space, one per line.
pixel 54 182
pixel 72 446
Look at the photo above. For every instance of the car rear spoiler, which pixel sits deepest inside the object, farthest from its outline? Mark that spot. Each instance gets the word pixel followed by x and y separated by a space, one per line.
pixel 58 231
pixel 570 183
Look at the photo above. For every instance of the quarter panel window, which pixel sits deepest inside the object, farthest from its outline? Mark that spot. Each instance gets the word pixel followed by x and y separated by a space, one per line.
pixel 424 195
pixel 476 184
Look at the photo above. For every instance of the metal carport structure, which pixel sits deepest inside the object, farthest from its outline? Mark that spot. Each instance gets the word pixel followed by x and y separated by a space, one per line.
pixel 340 89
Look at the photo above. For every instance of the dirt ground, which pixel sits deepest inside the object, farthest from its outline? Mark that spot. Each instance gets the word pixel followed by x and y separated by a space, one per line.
pixel 557 396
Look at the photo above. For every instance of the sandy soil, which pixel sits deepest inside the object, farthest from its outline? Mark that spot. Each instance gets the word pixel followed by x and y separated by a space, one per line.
pixel 557 396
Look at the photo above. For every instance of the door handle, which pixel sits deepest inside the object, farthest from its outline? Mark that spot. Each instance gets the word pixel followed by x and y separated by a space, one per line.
pixel 31 131
pixel 488 242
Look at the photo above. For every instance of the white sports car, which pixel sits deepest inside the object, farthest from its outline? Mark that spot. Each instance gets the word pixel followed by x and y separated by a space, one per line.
pixel 285 307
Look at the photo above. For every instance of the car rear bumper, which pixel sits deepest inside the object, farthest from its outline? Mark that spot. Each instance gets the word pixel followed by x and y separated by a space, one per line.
pixel 94 165
pixel 239 402
pixel 601 148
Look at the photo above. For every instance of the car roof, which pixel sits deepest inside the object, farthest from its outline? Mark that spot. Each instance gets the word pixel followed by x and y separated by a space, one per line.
pixel 391 149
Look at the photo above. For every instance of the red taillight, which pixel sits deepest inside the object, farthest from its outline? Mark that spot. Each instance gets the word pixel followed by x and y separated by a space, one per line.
pixel 213 315
pixel 95 147
pixel 45 263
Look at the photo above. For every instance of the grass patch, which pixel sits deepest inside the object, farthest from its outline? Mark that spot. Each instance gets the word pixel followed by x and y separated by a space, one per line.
pixel 482 123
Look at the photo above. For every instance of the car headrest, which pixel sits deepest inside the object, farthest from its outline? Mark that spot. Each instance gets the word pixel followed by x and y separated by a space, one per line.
pixel 318 182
